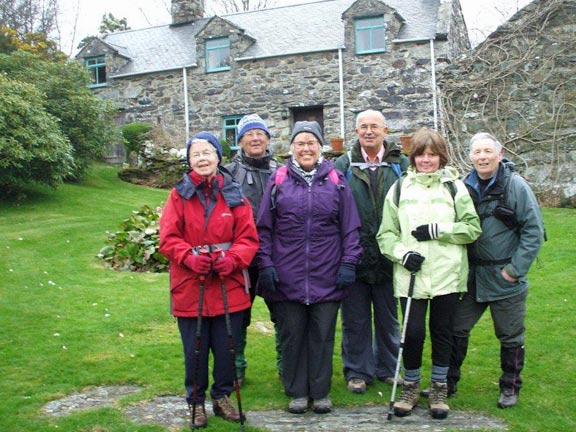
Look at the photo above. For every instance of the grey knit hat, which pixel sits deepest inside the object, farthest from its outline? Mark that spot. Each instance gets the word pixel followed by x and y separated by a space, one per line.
pixel 307 126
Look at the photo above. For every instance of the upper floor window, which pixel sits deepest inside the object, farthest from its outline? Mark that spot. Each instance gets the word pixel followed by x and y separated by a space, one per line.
pixel 218 54
pixel 97 70
pixel 370 35
pixel 230 131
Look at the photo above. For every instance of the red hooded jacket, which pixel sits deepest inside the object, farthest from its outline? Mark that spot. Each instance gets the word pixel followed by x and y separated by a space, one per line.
pixel 202 213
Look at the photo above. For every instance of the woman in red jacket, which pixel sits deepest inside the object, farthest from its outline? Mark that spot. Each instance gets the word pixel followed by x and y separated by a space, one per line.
pixel 207 232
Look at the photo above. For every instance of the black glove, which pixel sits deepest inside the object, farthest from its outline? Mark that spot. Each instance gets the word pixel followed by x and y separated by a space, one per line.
pixel 426 232
pixel 412 261
pixel 346 275
pixel 268 279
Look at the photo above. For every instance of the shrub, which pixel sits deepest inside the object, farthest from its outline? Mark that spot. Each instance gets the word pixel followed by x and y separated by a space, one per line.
pixel 134 135
pixel 135 246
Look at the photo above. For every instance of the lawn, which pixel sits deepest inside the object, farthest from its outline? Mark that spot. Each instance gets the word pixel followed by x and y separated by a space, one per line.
pixel 69 324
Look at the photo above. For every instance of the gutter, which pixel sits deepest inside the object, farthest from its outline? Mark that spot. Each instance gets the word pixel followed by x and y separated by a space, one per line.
pixel 434 96
pixel 185 89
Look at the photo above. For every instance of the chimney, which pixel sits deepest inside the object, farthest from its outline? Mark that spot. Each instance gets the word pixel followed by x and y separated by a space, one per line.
pixel 184 11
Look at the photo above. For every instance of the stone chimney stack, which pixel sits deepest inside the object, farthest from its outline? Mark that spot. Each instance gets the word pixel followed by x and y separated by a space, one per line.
pixel 184 11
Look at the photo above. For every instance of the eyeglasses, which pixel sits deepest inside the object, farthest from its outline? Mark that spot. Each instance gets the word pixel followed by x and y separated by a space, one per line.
pixel 257 134
pixel 301 144
pixel 204 154
pixel 365 127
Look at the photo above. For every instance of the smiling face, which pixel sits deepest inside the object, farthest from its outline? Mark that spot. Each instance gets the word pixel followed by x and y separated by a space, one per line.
pixel 306 150
pixel 485 157
pixel 254 143
pixel 203 158
pixel 371 131
pixel 427 161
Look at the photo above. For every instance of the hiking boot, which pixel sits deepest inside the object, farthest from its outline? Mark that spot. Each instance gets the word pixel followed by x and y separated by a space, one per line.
pixel 298 405
pixel 390 380
pixel 408 398
pixel 357 385
pixel 437 400
pixel 198 418
pixel 322 406
pixel 452 391
pixel 508 398
pixel 224 408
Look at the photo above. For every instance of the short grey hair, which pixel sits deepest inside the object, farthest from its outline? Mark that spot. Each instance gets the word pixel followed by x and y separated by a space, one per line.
pixel 370 111
pixel 485 136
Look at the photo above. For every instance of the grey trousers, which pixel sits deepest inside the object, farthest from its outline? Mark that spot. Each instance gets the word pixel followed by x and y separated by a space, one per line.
pixel 370 351
pixel 307 335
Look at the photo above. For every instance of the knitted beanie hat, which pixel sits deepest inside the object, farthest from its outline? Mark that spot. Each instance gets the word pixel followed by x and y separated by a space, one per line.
pixel 249 122
pixel 208 137
pixel 307 126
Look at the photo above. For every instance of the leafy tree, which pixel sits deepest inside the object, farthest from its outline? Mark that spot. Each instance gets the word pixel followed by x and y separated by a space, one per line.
pixel 112 24
pixel 29 16
pixel 84 119
pixel 32 148
pixel 35 43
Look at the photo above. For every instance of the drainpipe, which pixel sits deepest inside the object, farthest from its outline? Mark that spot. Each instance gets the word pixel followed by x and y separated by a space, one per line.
pixel 185 84
pixel 434 101
pixel 341 82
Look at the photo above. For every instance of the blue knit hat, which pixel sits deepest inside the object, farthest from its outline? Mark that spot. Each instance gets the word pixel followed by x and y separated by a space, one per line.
pixel 208 137
pixel 249 122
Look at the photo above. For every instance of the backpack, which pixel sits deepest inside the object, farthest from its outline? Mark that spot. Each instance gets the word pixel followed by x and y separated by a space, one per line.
pixel 281 174
pixel 394 165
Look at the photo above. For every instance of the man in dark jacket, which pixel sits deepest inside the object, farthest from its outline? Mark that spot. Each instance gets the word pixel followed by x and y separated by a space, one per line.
pixel 512 233
pixel 252 167
pixel 371 167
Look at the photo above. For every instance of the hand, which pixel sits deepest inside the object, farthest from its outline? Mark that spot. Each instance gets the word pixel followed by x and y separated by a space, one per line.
pixel 506 276
pixel 201 264
pixel 224 266
pixel 268 279
pixel 412 261
pixel 426 232
pixel 346 275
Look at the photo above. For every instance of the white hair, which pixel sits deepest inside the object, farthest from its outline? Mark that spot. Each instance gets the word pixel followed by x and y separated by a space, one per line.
pixel 370 111
pixel 486 136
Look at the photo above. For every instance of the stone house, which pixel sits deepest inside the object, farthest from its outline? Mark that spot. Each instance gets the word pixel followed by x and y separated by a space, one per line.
pixel 521 86
pixel 326 60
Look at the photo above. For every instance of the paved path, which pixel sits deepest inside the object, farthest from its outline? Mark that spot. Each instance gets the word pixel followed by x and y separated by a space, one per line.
pixel 172 412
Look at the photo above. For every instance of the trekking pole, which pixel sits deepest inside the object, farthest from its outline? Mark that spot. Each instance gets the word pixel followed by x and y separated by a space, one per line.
pixel 197 344
pixel 402 338
pixel 231 347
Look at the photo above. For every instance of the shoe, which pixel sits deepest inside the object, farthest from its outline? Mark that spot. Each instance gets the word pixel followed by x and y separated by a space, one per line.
pixel 437 400
pixel 452 391
pixel 390 380
pixel 198 418
pixel 408 398
pixel 508 399
pixel 357 385
pixel 298 405
pixel 224 408
pixel 322 406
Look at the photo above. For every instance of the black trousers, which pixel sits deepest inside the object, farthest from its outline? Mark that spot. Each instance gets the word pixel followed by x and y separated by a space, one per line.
pixel 442 310
pixel 307 343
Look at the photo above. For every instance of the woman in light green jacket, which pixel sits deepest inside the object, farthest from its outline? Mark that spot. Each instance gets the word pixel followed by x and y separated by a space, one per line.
pixel 428 219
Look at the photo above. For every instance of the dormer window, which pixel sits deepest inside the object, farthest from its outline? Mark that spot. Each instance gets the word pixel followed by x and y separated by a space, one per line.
pixel 218 54
pixel 97 70
pixel 370 35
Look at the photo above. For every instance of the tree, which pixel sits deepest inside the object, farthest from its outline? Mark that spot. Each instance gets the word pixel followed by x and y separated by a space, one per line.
pixel 32 147
pixel 85 120
pixel 35 43
pixel 29 16
pixel 234 6
pixel 111 24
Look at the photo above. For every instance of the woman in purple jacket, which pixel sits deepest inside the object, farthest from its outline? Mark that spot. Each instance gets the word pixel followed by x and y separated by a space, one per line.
pixel 309 247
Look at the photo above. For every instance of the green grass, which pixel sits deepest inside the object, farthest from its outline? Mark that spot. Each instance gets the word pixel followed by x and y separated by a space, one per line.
pixel 68 324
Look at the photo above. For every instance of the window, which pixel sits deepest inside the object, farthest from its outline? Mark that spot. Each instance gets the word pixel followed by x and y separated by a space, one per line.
pixel 97 70
pixel 370 35
pixel 218 54
pixel 230 131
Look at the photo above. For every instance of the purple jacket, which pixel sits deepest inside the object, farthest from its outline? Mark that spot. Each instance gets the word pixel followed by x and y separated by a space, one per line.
pixel 310 232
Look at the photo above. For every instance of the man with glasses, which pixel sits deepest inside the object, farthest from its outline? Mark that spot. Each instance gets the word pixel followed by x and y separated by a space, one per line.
pixel 252 167
pixel 371 166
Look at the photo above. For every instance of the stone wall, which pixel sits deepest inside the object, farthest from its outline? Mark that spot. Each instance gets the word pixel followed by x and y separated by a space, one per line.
pixel 520 85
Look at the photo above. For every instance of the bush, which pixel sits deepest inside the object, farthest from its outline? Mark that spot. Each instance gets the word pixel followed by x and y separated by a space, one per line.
pixel 134 135
pixel 135 246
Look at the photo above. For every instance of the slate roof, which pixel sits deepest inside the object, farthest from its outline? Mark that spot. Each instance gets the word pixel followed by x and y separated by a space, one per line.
pixel 308 27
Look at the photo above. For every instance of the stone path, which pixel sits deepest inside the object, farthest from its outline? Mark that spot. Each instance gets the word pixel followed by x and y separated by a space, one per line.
pixel 172 413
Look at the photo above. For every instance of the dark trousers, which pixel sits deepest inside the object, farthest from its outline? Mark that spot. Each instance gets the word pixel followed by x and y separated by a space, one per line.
pixel 442 310
pixel 307 342
pixel 508 316
pixel 370 349
pixel 213 338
